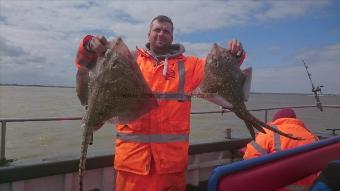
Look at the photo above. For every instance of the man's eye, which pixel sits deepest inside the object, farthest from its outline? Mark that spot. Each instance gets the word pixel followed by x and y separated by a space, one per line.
pixel 157 30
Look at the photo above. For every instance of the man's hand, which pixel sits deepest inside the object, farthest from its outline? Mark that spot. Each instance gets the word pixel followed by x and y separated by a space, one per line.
pixel 98 45
pixel 235 46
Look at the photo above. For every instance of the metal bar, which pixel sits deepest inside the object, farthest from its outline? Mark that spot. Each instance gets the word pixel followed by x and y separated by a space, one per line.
pixel 42 119
pixel 264 109
pixel 266 116
pixel 3 141
pixel 333 131
pixel 193 113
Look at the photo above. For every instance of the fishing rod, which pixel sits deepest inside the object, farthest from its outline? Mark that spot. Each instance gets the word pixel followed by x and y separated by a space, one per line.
pixel 314 90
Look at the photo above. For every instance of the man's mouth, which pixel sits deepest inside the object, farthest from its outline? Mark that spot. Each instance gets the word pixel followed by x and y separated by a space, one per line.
pixel 161 42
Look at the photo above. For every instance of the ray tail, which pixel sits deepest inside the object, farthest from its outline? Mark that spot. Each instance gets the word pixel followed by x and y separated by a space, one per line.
pixel 250 129
pixel 82 161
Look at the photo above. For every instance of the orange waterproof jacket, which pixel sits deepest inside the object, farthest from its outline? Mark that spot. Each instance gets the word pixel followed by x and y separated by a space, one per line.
pixel 272 142
pixel 161 135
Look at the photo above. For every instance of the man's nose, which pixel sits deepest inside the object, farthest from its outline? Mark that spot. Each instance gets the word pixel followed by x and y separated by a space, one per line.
pixel 161 33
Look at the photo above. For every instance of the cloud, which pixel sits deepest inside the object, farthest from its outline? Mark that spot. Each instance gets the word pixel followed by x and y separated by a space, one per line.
pixel 284 9
pixel 14 56
pixel 39 39
pixel 7 50
pixel 197 49
pixel 323 65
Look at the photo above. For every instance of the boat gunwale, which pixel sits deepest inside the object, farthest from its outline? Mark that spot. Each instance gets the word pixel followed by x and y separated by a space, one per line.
pixel 19 170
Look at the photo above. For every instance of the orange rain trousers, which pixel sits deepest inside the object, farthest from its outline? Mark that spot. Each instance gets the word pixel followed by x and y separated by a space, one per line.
pixel 126 181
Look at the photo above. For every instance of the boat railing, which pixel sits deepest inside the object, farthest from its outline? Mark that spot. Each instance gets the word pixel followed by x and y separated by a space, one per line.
pixel 4 121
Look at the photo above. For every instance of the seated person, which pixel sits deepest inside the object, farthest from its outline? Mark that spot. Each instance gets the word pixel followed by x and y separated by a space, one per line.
pixel 285 120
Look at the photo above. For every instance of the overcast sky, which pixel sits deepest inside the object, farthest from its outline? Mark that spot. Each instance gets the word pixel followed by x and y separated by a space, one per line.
pixel 39 39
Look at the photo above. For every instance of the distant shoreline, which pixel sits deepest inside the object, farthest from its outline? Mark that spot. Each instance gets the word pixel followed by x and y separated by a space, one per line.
pixel 35 85
pixel 59 86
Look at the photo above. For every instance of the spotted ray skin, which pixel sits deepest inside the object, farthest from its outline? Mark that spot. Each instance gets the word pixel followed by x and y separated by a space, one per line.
pixel 116 89
pixel 224 77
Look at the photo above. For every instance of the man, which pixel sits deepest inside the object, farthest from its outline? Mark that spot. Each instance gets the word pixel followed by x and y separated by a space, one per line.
pixel 157 157
pixel 286 121
pixel 328 179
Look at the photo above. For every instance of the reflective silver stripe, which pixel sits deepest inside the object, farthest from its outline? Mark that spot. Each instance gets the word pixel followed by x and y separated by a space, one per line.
pixel 172 96
pixel 181 72
pixel 180 95
pixel 258 148
pixel 152 138
pixel 295 187
pixel 277 140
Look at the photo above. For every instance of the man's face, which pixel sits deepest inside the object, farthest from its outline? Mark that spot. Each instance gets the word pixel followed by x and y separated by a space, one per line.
pixel 160 36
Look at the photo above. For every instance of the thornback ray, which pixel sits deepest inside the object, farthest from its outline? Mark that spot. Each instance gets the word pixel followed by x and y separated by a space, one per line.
pixel 117 89
pixel 223 77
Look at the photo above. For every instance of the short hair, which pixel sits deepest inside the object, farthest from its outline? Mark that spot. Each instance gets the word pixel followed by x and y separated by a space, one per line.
pixel 163 18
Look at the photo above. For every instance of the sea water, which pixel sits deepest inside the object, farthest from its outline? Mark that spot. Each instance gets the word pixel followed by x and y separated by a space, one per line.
pixel 26 140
